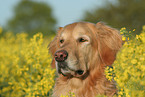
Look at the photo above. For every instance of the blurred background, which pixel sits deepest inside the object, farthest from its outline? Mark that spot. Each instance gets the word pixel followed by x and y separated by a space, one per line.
pixel 25 69
pixel 46 16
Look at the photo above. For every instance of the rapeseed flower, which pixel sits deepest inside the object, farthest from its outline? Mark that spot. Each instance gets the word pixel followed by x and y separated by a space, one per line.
pixel 130 66
pixel 26 71
pixel 25 66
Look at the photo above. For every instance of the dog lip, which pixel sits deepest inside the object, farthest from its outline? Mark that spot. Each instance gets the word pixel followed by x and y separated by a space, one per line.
pixel 65 70
pixel 82 75
pixel 61 65
pixel 69 73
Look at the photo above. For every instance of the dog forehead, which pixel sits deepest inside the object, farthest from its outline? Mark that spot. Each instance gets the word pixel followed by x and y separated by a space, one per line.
pixel 75 30
pixel 79 31
pixel 68 30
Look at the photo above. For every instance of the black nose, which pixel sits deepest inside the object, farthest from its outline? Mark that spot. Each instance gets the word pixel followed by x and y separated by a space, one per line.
pixel 61 55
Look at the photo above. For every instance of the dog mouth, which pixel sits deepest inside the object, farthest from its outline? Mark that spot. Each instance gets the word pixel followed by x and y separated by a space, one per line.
pixel 69 73
pixel 65 70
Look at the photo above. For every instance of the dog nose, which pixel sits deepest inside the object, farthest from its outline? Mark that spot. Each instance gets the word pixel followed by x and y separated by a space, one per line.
pixel 61 55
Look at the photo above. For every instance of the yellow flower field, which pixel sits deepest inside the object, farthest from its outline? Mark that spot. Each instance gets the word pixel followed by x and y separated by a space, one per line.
pixel 25 69
pixel 129 68
pixel 25 66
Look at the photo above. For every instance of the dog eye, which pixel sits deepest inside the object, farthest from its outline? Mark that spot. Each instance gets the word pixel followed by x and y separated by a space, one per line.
pixel 82 40
pixel 61 41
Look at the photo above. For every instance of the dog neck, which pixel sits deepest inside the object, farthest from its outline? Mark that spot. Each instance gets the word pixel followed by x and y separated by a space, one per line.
pixel 92 84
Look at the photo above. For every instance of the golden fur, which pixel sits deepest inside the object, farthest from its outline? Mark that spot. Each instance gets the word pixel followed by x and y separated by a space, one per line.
pixel 92 56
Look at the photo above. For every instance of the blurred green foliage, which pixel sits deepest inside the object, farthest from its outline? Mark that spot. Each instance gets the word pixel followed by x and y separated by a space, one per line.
pixel 122 13
pixel 32 17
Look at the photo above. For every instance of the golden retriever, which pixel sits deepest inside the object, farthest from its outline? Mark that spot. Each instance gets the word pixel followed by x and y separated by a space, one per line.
pixel 81 51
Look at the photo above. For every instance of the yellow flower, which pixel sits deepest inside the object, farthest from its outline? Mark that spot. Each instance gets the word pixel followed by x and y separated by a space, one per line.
pixel 123 38
pixel 133 61
pixel 111 69
pixel 137 36
pixel 121 93
pixel 25 66
pixel 1 30
pixel 121 33
pixel 128 38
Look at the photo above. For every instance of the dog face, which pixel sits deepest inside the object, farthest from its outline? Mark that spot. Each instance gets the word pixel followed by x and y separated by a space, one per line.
pixel 80 47
pixel 74 51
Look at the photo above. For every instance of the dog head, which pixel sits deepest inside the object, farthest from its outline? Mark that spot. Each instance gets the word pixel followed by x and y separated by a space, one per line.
pixel 80 47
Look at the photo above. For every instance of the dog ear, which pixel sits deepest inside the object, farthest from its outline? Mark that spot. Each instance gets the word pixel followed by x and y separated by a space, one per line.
pixel 53 46
pixel 109 43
